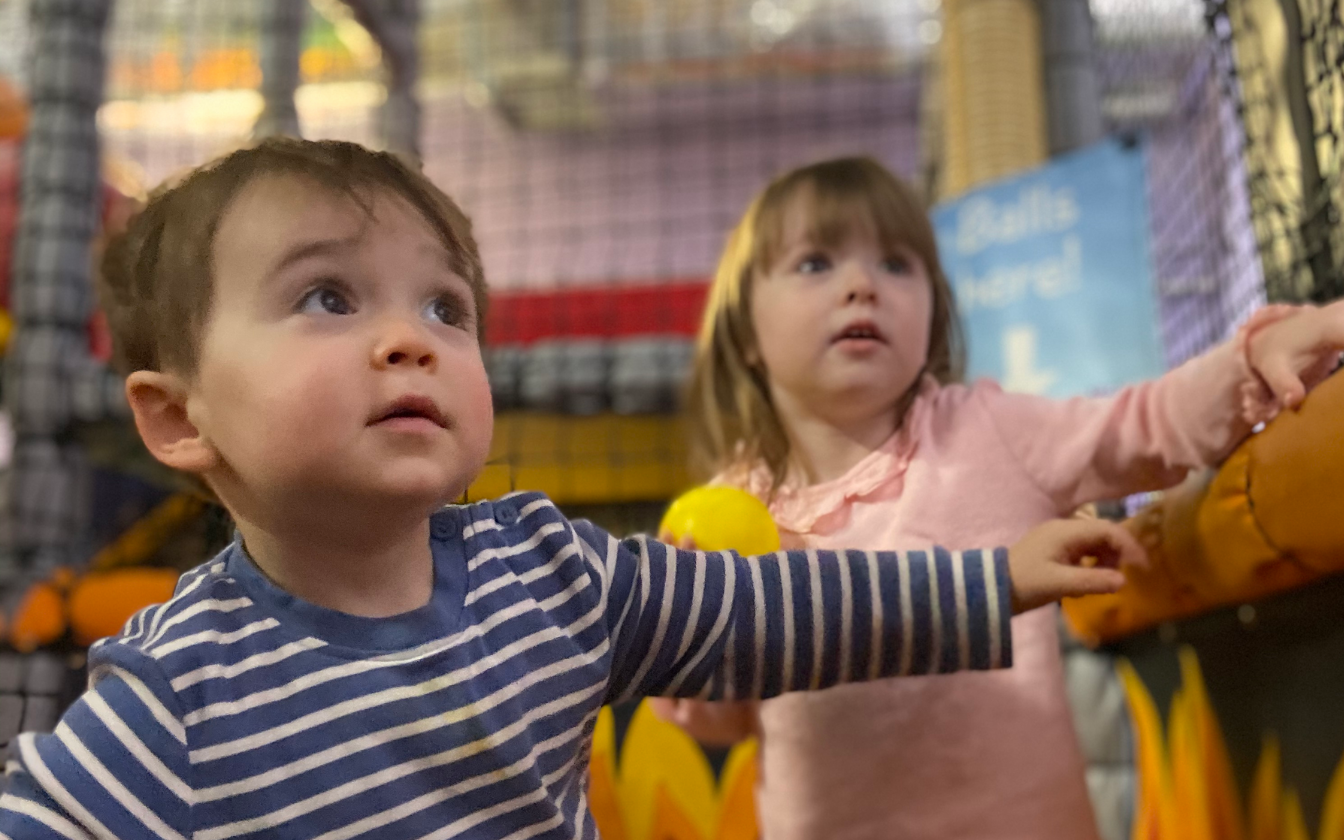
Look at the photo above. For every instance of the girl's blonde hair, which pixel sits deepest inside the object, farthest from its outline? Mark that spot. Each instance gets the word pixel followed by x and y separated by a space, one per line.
pixel 732 421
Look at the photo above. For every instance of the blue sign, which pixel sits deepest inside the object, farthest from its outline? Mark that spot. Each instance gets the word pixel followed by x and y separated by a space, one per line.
pixel 1052 275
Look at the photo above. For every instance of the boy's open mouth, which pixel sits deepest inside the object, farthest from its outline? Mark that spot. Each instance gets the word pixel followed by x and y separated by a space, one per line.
pixel 411 408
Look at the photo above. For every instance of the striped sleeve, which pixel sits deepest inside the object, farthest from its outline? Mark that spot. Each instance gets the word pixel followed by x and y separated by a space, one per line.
pixel 114 767
pixel 719 626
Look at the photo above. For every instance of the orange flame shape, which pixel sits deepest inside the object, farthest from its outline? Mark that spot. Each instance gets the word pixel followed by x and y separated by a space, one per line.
pixel 1186 787
pixel 664 787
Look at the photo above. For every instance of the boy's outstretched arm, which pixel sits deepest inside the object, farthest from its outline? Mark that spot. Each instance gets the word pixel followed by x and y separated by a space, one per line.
pixel 720 626
pixel 114 767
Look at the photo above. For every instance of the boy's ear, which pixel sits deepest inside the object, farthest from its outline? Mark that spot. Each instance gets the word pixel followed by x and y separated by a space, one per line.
pixel 159 404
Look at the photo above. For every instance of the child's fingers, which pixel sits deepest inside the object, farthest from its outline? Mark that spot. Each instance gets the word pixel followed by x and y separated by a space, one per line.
pixel 719 724
pixel 1074 581
pixel 1108 545
pixel 1124 548
pixel 1278 373
pixel 1064 558
pixel 666 708
pixel 686 543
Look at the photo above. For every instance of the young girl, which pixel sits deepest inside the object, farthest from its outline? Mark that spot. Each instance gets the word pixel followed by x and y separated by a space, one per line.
pixel 824 383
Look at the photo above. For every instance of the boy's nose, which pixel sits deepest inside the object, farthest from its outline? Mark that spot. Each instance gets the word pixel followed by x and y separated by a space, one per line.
pixel 404 344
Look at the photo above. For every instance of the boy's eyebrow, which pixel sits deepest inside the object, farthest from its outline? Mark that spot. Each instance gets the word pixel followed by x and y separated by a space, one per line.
pixel 447 259
pixel 316 248
pixel 440 254
pixel 327 247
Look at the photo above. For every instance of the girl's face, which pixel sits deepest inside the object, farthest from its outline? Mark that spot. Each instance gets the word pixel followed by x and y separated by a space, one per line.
pixel 843 331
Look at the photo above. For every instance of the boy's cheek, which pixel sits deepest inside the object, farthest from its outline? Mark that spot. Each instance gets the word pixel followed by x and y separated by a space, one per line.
pixel 481 418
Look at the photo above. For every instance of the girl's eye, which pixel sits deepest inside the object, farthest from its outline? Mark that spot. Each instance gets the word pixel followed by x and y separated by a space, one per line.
pixel 813 264
pixel 896 265
pixel 325 300
pixel 448 309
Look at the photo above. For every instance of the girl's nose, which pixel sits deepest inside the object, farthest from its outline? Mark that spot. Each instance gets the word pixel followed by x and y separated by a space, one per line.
pixel 860 286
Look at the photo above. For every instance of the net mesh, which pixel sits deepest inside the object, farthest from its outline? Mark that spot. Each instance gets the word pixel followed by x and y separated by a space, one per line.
pixel 603 149
pixel 1284 76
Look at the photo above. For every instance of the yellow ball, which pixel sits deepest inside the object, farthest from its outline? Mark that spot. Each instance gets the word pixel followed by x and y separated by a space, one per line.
pixel 722 518
pixel 6 329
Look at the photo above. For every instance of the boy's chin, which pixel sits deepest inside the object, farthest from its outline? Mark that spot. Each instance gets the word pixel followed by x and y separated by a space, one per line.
pixel 395 496
pixel 368 492
pixel 414 492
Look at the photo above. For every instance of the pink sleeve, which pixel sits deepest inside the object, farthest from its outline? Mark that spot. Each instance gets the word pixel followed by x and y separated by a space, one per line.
pixel 1146 437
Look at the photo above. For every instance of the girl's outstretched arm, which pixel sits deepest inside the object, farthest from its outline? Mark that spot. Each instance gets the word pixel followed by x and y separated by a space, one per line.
pixel 1149 436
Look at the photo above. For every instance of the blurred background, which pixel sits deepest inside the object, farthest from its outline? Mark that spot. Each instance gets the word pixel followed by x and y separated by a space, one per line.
pixel 603 149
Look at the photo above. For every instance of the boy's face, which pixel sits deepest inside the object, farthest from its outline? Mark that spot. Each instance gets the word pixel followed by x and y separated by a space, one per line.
pixel 340 364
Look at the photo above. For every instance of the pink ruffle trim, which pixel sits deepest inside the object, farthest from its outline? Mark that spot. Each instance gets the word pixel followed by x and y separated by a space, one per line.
pixel 802 509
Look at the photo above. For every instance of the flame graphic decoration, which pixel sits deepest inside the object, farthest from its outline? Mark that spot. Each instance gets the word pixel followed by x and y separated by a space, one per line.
pixel 664 787
pixel 1186 787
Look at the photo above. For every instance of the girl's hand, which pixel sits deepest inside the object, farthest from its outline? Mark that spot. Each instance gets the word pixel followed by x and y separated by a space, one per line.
pixel 1064 558
pixel 686 543
pixel 1303 346
pixel 712 724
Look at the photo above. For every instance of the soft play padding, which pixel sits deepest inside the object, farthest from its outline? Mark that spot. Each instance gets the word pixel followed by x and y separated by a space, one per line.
pixel 1270 519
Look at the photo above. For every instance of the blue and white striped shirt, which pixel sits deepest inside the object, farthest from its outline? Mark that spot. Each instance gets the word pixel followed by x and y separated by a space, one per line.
pixel 236 710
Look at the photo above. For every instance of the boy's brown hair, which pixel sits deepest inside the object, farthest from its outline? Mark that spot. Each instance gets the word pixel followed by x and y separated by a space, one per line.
pixel 156 285
pixel 732 421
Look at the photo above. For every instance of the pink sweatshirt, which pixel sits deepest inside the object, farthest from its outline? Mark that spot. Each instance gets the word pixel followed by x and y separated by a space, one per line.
pixel 990 756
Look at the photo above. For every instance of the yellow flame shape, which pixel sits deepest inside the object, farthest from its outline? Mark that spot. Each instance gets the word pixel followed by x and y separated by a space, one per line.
pixel 664 787
pixel 1186 787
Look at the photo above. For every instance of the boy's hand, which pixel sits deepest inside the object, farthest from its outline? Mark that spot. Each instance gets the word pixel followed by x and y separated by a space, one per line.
pixel 1305 345
pixel 1064 558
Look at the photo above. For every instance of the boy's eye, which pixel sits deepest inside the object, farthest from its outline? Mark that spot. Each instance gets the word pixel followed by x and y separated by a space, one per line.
pixel 813 264
pixel 448 309
pixel 325 300
pixel 896 265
